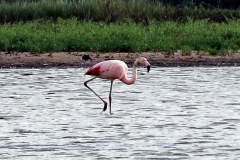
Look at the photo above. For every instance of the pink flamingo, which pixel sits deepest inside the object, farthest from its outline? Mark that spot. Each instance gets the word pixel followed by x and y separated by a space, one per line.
pixel 114 69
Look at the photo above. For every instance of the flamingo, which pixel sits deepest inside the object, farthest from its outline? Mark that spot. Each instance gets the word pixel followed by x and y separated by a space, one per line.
pixel 111 70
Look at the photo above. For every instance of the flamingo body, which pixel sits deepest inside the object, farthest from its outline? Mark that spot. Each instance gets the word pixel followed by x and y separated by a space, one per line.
pixel 111 70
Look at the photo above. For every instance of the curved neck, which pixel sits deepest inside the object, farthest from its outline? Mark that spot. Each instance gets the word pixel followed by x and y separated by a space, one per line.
pixel 134 75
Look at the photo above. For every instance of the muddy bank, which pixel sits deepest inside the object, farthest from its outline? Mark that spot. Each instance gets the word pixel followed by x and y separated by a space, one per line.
pixel 74 59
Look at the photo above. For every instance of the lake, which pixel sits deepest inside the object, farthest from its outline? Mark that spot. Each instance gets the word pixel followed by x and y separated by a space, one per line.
pixel 169 113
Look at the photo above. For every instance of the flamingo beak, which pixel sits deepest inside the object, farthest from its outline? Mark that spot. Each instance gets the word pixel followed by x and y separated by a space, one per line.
pixel 148 68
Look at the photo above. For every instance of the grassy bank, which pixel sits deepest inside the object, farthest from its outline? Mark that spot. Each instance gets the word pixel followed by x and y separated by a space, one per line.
pixel 73 35
pixel 110 11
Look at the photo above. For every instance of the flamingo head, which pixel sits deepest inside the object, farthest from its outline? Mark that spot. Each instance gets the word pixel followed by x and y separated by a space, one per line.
pixel 143 61
pixel 148 68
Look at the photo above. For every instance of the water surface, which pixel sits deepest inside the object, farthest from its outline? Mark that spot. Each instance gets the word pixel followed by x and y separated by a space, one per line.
pixel 169 113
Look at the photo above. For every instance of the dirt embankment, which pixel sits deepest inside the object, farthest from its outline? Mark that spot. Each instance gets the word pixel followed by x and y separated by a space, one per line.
pixel 74 59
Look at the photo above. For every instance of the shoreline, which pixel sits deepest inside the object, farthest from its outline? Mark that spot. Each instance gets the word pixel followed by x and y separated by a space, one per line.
pixel 74 59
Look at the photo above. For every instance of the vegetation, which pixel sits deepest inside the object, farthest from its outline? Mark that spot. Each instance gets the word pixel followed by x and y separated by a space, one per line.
pixel 227 4
pixel 120 25
pixel 139 11
pixel 74 35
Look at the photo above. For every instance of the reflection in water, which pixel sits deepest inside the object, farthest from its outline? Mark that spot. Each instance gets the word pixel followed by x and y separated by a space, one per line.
pixel 169 113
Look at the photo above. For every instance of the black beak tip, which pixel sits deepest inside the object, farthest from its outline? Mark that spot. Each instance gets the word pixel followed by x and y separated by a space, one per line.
pixel 148 68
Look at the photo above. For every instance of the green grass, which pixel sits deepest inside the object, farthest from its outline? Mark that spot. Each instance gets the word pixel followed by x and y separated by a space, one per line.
pixel 109 11
pixel 73 35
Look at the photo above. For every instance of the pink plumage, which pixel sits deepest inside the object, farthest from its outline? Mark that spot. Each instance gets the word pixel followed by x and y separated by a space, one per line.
pixel 93 71
pixel 111 70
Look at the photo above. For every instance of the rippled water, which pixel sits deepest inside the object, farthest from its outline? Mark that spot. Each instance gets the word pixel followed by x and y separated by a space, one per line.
pixel 169 113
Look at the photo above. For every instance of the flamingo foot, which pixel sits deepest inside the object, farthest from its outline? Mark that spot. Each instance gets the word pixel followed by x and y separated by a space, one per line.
pixel 105 106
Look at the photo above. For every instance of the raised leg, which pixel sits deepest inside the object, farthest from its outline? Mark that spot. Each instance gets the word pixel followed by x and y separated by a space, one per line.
pixel 105 103
pixel 110 96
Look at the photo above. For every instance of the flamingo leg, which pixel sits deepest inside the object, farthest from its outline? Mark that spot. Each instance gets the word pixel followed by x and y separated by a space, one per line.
pixel 85 84
pixel 110 96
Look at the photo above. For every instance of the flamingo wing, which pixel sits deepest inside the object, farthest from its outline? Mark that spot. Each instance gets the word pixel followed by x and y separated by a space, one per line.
pixel 94 71
pixel 111 69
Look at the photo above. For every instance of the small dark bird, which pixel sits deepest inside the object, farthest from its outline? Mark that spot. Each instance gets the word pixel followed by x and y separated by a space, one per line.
pixel 86 58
